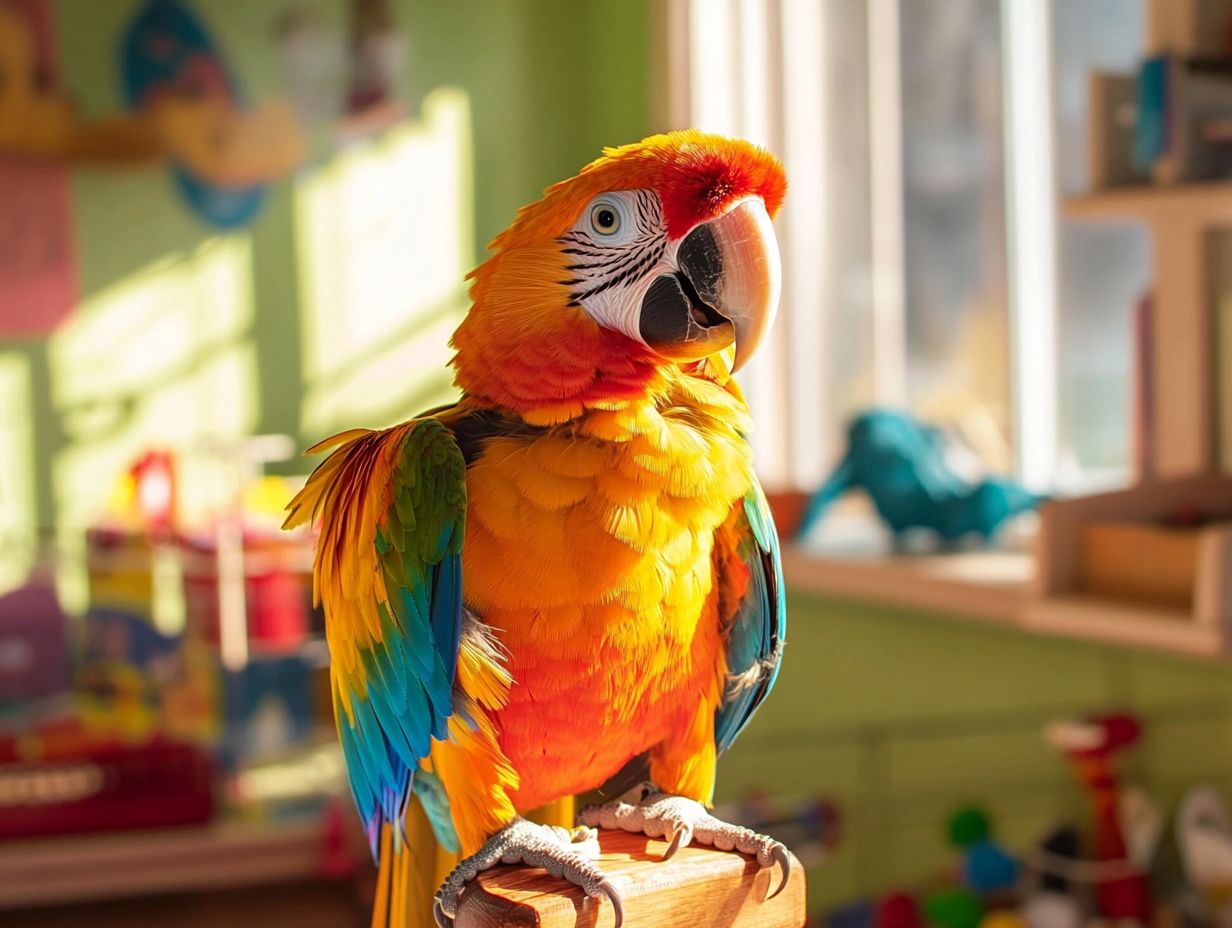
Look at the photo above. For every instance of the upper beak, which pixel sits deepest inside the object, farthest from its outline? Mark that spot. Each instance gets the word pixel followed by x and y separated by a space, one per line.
pixel 733 264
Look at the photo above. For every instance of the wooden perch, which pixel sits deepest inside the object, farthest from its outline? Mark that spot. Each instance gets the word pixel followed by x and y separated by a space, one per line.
pixel 697 887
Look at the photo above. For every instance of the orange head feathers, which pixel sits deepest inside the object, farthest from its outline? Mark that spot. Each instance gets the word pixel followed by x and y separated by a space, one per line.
pixel 658 253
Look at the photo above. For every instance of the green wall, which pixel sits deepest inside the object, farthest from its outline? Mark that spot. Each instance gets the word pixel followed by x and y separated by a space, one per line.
pixel 548 84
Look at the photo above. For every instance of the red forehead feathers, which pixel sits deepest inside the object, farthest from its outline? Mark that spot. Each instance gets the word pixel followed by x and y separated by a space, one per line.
pixel 703 180
pixel 696 175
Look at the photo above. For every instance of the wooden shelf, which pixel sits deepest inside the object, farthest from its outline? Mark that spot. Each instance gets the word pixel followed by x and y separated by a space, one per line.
pixel 699 886
pixel 1208 203
pixel 982 585
pixel 1213 199
pixel 998 589
pixel 140 863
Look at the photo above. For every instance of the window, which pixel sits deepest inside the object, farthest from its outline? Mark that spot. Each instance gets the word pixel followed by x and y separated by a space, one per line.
pixel 1103 269
pixel 926 263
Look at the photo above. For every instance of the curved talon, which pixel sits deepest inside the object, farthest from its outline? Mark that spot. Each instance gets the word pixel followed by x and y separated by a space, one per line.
pixel 520 842
pixel 680 820
pixel 682 834
pixel 438 915
pixel 783 859
pixel 613 896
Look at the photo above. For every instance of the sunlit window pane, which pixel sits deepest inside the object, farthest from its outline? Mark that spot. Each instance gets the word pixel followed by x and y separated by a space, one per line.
pixel 1104 269
pixel 384 245
pixel 957 321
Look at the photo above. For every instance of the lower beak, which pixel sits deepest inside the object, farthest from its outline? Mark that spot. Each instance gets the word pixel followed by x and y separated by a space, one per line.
pixel 733 263
pixel 727 288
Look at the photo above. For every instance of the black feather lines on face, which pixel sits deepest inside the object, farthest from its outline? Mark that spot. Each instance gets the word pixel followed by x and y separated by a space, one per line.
pixel 599 267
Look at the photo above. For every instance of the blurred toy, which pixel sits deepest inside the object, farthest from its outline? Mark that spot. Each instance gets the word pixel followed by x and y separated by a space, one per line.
pixel 105 786
pixel 1184 111
pixel 986 866
pixel 136 682
pixel 1051 909
pixel 900 463
pixel 276 594
pixel 1093 747
pixel 1142 824
pixel 1052 898
pixel 33 643
pixel 897 910
pixel 154 478
pixel 954 908
pixel 1054 859
pixel 1003 918
pixel 1204 835
pixel 860 914
pixel 269 707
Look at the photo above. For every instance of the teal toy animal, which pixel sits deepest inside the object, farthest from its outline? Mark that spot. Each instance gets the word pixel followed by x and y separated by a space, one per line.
pixel 900 463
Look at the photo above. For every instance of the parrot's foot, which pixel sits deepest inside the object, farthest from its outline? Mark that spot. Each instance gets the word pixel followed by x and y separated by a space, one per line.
pixel 682 820
pixel 521 842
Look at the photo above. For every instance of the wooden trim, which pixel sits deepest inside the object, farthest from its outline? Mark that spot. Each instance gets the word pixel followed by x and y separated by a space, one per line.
pixel 1183 418
pixel 1209 203
pixel 1123 624
pixel 1213 595
pixel 1185 403
pixel 1041 593
pixel 985 585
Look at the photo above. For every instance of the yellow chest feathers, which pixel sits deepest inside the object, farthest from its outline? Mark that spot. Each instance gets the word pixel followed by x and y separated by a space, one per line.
pixel 613 508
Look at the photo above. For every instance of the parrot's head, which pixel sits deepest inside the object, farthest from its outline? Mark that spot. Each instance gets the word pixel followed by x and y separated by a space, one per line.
pixel 658 255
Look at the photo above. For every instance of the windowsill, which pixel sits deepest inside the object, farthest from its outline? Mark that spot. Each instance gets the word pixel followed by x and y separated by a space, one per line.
pixel 991 585
pixel 996 587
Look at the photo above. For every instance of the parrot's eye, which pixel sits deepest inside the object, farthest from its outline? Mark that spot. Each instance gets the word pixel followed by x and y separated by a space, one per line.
pixel 605 217
pixel 605 220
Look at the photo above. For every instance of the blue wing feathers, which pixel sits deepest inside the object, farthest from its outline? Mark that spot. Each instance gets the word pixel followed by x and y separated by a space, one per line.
pixel 407 688
pixel 759 629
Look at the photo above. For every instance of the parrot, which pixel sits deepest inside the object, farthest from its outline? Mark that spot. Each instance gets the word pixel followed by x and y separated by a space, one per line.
pixel 570 572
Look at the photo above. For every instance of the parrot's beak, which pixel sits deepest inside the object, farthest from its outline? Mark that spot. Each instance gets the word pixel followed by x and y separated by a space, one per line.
pixel 727 288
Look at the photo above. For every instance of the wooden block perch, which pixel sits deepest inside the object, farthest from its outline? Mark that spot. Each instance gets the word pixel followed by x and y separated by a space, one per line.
pixel 697 887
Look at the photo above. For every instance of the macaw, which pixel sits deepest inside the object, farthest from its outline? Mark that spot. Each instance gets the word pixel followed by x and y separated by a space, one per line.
pixel 571 570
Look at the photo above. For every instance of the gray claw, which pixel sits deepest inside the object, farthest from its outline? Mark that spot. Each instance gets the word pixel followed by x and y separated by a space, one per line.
pixel 618 906
pixel 521 842
pixel 682 834
pixel 438 915
pixel 783 859
pixel 681 821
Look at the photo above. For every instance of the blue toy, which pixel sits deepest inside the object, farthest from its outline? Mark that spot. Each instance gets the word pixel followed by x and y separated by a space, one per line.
pixel 986 866
pixel 900 463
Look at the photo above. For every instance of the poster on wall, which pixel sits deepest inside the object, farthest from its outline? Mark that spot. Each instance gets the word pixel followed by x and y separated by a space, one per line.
pixel 37 281
pixel 223 152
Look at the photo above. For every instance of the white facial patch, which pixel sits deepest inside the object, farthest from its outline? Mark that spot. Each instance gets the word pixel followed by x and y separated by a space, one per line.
pixel 617 248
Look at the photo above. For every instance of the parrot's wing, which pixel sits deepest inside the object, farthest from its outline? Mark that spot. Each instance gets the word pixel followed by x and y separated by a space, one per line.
pixel 388 570
pixel 750 576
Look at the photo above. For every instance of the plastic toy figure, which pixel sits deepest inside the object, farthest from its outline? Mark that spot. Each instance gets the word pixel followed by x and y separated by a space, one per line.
pixel 900 463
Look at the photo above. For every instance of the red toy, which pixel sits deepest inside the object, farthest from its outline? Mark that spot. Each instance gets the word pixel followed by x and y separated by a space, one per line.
pixel 1093 746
